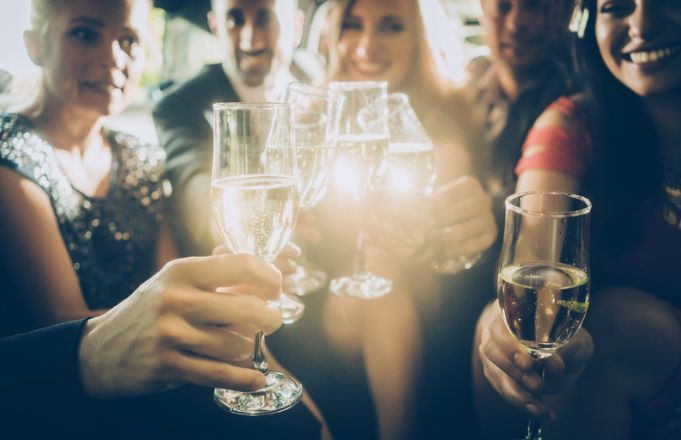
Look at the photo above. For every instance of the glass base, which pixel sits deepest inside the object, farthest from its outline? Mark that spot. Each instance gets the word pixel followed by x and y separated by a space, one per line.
pixel 454 265
pixel 307 279
pixel 363 286
pixel 280 393
pixel 292 308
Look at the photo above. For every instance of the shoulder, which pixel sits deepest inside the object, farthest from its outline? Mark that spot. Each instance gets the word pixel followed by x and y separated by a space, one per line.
pixel 13 128
pixel 197 90
pixel 21 148
pixel 566 112
pixel 137 153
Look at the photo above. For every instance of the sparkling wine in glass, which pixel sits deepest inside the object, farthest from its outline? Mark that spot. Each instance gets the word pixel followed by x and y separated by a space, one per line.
pixel 361 160
pixel 410 174
pixel 316 113
pixel 543 282
pixel 255 194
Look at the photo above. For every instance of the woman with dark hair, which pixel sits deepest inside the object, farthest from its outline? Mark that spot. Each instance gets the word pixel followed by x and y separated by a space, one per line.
pixel 619 142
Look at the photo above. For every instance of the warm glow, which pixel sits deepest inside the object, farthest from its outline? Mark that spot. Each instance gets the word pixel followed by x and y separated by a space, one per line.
pixel 347 176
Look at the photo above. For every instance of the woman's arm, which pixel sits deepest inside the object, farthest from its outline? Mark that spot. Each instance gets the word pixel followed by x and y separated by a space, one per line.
pixel 35 255
pixel 166 249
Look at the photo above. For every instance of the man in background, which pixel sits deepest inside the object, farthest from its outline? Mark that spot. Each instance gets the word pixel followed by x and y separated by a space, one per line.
pixel 257 38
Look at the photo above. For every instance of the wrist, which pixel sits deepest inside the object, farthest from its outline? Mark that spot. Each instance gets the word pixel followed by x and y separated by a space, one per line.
pixel 86 366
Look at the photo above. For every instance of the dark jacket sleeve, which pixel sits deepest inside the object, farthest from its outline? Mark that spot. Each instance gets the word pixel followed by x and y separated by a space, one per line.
pixel 44 360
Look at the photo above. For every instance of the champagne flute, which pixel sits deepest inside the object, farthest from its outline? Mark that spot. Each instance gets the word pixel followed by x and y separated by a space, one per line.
pixel 410 174
pixel 359 164
pixel 543 282
pixel 256 201
pixel 316 113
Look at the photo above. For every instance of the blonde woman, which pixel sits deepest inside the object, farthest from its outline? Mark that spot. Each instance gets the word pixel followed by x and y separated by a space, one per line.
pixel 82 204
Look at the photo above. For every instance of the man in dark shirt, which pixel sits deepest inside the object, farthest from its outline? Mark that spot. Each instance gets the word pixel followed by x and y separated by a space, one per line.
pixel 173 330
pixel 257 38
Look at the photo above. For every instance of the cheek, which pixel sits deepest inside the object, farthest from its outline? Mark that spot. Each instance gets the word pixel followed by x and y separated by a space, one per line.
pixel 345 48
pixel 604 41
pixel 402 52
pixel 136 69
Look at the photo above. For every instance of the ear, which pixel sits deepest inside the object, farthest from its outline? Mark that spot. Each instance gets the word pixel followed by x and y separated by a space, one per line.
pixel 212 22
pixel 34 47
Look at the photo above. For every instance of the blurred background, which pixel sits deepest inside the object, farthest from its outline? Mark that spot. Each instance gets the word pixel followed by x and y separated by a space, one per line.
pixel 181 44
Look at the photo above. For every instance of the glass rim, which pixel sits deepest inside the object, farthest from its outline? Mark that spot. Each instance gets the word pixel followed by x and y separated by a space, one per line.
pixel 320 92
pixel 250 105
pixel 509 203
pixel 349 85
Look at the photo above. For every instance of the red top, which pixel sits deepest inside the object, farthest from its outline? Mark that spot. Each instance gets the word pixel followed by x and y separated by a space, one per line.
pixel 653 264
pixel 558 148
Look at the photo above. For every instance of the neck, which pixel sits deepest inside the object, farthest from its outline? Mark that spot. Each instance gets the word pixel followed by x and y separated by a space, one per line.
pixel 665 111
pixel 509 82
pixel 514 81
pixel 66 128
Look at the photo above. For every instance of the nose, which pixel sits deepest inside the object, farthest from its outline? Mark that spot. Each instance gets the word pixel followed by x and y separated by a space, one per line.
pixel 115 56
pixel 367 46
pixel 518 18
pixel 250 38
pixel 643 21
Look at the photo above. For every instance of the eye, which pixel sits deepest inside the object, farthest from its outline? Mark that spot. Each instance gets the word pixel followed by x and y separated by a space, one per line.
pixel 349 24
pixel 392 26
pixel 617 8
pixel 235 18
pixel 504 7
pixel 129 43
pixel 84 34
pixel 263 18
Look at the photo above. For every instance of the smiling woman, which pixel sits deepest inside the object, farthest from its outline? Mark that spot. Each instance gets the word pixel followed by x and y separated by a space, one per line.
pixel 82 203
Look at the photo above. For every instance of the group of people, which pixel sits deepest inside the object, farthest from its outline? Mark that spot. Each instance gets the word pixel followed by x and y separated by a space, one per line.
pixel 576 96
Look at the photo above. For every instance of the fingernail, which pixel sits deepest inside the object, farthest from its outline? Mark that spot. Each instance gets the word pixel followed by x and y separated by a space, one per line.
pixel 533 409
pixel 259 381
pixel 531 381
pixel 519 361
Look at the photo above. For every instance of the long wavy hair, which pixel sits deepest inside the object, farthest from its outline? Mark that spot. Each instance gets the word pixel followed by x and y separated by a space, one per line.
pixel 439 63
pixel 627 169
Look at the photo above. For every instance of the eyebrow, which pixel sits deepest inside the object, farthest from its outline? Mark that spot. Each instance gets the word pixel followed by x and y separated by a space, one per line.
pixel 88 20
pixel 392 18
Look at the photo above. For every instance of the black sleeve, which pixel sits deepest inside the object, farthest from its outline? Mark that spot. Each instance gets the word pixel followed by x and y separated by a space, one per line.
pixel 44 360
pixel 187 137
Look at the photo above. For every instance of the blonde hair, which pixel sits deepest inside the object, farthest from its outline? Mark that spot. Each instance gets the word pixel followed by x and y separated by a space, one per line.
pixel 439 59
pixel 41 13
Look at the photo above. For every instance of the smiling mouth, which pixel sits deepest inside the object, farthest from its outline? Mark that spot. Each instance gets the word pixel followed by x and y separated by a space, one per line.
pixel 644 57
pixel 370 68
pixel 101 86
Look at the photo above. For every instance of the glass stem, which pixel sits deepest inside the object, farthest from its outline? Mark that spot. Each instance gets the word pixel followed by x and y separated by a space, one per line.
pixel 259 361
pixel 361 265
pixel 534 431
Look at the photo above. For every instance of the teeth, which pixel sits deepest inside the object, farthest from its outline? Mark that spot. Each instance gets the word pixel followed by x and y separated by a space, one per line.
pixel 370 68
pixel 651 56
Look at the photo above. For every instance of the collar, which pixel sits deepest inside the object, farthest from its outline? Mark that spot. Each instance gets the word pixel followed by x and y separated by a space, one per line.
pixel 271 90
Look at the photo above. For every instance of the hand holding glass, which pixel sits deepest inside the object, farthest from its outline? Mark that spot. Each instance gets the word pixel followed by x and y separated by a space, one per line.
pixel 256 201
pixel 543 282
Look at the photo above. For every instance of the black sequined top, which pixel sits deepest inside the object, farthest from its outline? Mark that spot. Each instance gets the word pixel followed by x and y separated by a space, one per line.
pixel 111 240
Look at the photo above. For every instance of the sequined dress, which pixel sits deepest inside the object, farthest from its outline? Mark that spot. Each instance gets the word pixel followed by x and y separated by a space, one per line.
pixel 111 240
